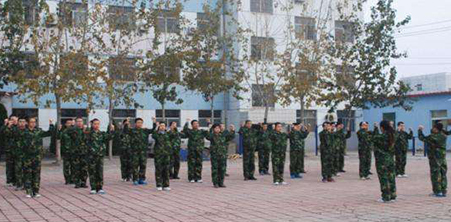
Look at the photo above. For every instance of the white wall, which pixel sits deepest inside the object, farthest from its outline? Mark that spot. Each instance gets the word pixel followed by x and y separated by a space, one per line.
pixel 146 115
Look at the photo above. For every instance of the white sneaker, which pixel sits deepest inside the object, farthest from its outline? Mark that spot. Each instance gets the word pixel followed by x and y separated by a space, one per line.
pixel 93 192
pixel 192 181
pixel 399 176
pixel 367 178
pixel 200 181
pixel 167 188
pixel 9 185
pixel 338 175
pixel 393 201
pixel 159 188
pixel 405 176
pixel 28 196
pixel 276 183
pixel 101 192
pixel 382 201
pixel 37 195
pixel 284 183
pixel 362 178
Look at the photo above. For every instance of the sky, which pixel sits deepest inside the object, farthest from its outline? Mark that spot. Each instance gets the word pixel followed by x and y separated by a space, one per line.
pixel 426 39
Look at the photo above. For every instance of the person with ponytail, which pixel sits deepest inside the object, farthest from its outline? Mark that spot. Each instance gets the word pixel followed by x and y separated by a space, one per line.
pixel 384 151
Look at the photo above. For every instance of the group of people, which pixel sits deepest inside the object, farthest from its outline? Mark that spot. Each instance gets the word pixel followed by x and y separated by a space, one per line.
pixel 83 150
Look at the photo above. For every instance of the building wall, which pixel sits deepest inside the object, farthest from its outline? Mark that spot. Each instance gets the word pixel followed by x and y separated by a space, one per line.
pixel 419 115
pixel 438 82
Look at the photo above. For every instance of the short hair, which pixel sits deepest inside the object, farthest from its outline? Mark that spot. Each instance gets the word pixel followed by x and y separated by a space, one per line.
pixel 79 117
pixel 193 121
pixel 340 123
pixel 125 120
pixel 95 120
pixel 215 125
pixel 325 123
pixel 247 121
pixel 264 124
pixel 30 118
pixel 399 123
pixel 363 122
pixel 439 126
pixel 139 119
pixel 296 124
pixel 277 123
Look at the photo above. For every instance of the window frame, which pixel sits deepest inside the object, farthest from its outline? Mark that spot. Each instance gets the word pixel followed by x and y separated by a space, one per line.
pixel 169 118
pixel 342 116
pixel 204 114
pixel 305 28
pixel 258 45
pixel 308 119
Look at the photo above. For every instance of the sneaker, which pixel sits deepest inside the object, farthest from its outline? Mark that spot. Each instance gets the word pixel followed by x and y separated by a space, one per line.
pixel 215 186
pixel 28 196
pixel 370 173
pixel 382 201
pixel 93 192
pixel 252 178
pixel 293 176
pixel 159 188
pixel 342 171
pixel 37 195
pixel 399 176
pixel 222 185
pixel 192 181
pixel 261 173
pixel 136 183
pixel 337 175
pixel 405 176
pixel 9 185
pixel 199 181
pixel 433 195
pixel 362 178
pixel 324 180
pixel 276 183
pixel 284 183
pixel 176 178
pixel 101 192
pixel 167 188
pixel 142 182
pixel 330 180
pixel 367 178
pixel 393 201
pixel 299 176
pixel 227 175
pixel 18 188
pixel 439 195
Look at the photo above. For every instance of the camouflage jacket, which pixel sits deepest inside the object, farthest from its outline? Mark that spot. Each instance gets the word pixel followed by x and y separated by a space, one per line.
pixel 342 136
pixel 10 140
pixel 297 139
pixel 67 143
pixel 364 137
pixel 436 143
pixel 14 135
pixel 279 142
pixel 125 140
pixel 31 141
pixel 264 140
pixel 402 139
pixel 139 138
pixel 195 138
pixel 219 141
pixel 326 140
pixel 176 141
pixel 97 141
pixel 80 147
pixel 163 144
pixel 250 136
pixel 381 145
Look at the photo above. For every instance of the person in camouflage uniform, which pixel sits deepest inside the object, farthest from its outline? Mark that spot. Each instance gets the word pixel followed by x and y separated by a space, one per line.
pixel 335 146
pixel 16 133
pixel 297 142
pixel 176 143
pixel 224 130
pixel 196 144
pixel 139 143
pixel 341 136
pixel 264 149
pixel 9 147
pixel 279 148
pixel 218 152
pixel 384 152
pixel 250 137
pixel 364 149
pixel 163 150
pixel 401 146
pixel 80 151
pixel 125 150
pixel 96 141
pixel 326 146
pixel 67 152
pixel 436 144
pixel 33 150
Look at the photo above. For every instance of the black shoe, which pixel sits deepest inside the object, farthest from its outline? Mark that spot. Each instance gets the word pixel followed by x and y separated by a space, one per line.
pixel 370 173
pixel 226 175
pixel 216 186
pixel 222 186
pixel 246 179
pixel 267 173
pixel 252 178
pixel 176 178
pixel 84 186
pixel 77 186
pixel 342 171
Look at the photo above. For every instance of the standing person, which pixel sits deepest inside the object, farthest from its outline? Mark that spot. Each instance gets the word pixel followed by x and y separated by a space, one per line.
pixel 139 142
pixel 279 149
pixel 232 134
pixel 436 144
pixel 384 152
pixel 67 152
pixel 334 149
pixel 364 149
pixel 342 136
pixel 401 146
pixel 17 133
pixel 264 149
pixel 125 149
pixel 326 147
pixel 297 142
pixel 80 151
pixel 33 153
pixel 9 148
pixel 96 141
pixel 176 143
pixel 218 151
pixel 163 150
pixel 250 137
pixel 196 144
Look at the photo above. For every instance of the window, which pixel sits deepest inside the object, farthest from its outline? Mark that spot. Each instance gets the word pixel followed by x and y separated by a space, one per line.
pixel 26 113
pixel 439 114
pixel 75 14
pixel 120 115
pixel 28 64
pixel 419 87
pixel 345 76
pixel 343 116
pixel 344 31
pixel 390 117
pixel 122 68
pixel 204 23
pixel 73 64
pixel 121 17
pixel 306 76
pixel 172 115
pixel 258 95
pixel 206 114
pixel 168 22
pixel 262 6
pixel 67 114
pixel 31 12
pixel 262 48
pixel 305 28
pixel 309 117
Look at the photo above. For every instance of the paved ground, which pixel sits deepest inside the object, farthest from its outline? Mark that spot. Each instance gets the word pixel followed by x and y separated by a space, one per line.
pixel 349 199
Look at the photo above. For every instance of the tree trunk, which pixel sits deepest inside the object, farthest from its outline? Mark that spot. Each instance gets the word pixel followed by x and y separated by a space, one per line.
pixel 224 51
pixel 163 114
pixel 302 116
pixel 212 109
pixel 110 118
pixel 58 122
pixel 265 118
pixel 349 112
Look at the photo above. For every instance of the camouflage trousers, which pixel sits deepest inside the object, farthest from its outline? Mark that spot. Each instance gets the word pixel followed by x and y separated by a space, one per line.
pixel 162 164
pixel 32 175
pixel 69 168
pixel 296 161
pixel 80 164
pixel 438 170
pixel 126 165
pixel 194 164
pixel 18 170
pixel 139 165
pixel 175 163
pixel 401 160
pixel 248 162
pixel 385 166
pixel 364 162
pixel 96 172
pixel 9 168
pixel 218 168
pixel 263 159
pixel 326 164
pixel 334 161
pixel 341 160
pixel 278 166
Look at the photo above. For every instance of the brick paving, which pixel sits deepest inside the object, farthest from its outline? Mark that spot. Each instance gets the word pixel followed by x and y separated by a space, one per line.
pixel 349 199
